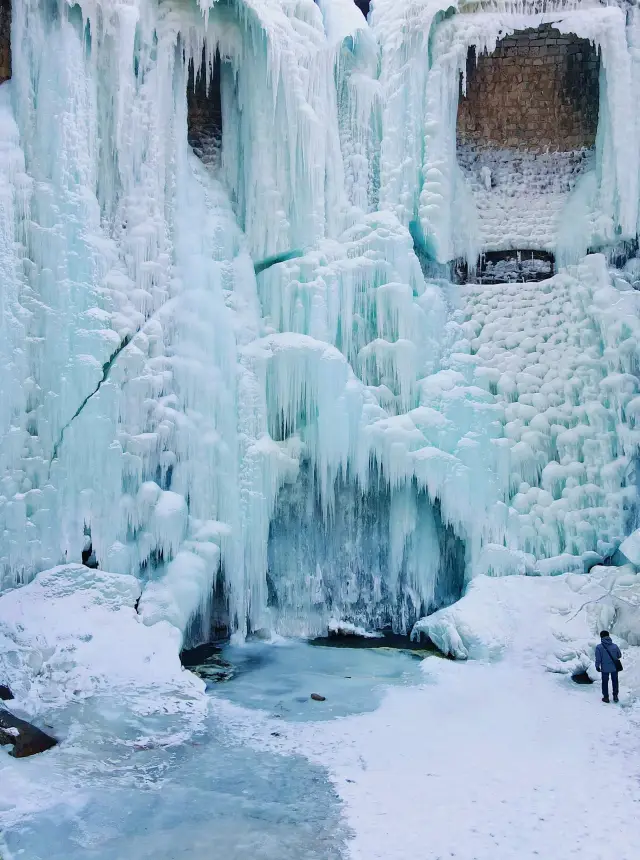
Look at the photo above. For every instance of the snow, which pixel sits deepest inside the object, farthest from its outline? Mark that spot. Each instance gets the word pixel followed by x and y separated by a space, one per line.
pixel 545 180
pixel 630 548
pixel 524 777
pixel 72 635
pixel 521 778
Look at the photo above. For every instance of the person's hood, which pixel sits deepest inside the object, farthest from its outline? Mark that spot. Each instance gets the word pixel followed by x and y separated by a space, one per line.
pixel 607 640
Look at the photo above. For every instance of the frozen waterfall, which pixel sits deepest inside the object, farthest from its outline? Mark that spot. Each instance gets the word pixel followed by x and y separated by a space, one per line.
pixel 343 435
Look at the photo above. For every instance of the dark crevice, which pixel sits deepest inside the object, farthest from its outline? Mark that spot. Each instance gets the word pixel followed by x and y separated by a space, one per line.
pixel 277 258
pixel 204 109
pixel 5 40
pixel 364 6
pixel 499 267
pixel 106 368
pixel 89 558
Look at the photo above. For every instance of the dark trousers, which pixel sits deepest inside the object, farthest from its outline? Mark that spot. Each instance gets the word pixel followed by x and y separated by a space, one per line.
pixel 605 684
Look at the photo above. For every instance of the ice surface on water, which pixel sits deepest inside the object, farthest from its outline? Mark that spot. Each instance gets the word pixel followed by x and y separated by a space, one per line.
pixel 148 765
pixel 208 798
pixel 342 364
pixel 280 678
pixel 111 791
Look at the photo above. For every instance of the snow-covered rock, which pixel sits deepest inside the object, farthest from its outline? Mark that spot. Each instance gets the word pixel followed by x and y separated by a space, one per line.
pixel 550 622
pixel 336 627
pixel 73 633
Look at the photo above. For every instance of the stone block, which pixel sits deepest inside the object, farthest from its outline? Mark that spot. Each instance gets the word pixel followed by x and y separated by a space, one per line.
pixel 519 93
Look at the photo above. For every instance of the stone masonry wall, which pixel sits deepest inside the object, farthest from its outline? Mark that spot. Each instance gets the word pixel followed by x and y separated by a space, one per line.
pixel 5 40
pixel 538 91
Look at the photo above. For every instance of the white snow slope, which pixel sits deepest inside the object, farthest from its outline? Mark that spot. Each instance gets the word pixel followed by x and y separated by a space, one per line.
pixel 72 636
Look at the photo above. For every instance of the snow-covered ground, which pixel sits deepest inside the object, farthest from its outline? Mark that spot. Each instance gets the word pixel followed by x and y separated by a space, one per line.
pixel 488 763
pixel 496 757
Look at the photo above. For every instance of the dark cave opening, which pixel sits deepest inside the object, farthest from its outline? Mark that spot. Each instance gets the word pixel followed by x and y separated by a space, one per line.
pixel 5 40
pixel 204 109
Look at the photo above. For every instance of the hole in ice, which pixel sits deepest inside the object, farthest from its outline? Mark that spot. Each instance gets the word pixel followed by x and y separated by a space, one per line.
pixel 380 561
pixel 526 129
pixel 5 40
pixel 364 6
pixel 204 110
pixel 211 625
pixel 89 558
pixel 581 678
pixel 207 662
pixel 499 267
pixel 380 639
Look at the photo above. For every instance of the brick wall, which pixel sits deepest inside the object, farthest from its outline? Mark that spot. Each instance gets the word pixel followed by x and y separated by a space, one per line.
pixel 537 91
pixel 5 40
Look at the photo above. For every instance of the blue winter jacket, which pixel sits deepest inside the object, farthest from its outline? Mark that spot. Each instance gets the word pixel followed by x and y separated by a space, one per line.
pixel 604 662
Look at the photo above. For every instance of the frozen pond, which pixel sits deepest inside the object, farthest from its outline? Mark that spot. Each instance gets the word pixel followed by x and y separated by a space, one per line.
pixel 212 798
pixel 280 678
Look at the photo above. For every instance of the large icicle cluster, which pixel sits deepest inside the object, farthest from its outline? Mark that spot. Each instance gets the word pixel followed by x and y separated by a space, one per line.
pixel 179 417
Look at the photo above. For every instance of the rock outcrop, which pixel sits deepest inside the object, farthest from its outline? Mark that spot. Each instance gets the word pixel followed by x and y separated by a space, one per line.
pixel 26 739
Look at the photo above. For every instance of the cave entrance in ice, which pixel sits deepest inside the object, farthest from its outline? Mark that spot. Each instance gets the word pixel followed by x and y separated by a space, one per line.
pixel 204 110
pixel 380 561
pixel 5 40
pixel 526 131
pixel 499 267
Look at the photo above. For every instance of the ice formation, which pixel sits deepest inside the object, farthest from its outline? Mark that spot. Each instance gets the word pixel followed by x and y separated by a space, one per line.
pixel 344 436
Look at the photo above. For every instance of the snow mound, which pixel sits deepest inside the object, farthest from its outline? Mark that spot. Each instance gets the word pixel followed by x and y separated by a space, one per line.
pixel 73 633
pixel 548 621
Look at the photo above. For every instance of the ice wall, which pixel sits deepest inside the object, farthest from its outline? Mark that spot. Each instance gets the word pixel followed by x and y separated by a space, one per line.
pixel 180 415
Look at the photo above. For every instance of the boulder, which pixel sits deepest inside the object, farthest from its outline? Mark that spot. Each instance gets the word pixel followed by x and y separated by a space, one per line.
pixel 26 739
pixel 318 698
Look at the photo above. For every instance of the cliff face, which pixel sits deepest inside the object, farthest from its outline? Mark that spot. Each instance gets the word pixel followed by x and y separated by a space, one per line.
pixel 5 40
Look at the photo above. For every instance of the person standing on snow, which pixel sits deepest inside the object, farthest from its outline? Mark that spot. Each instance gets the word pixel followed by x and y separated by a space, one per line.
pixel 608 662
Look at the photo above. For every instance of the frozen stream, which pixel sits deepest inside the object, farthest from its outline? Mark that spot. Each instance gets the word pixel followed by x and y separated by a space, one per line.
pixel 212 797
